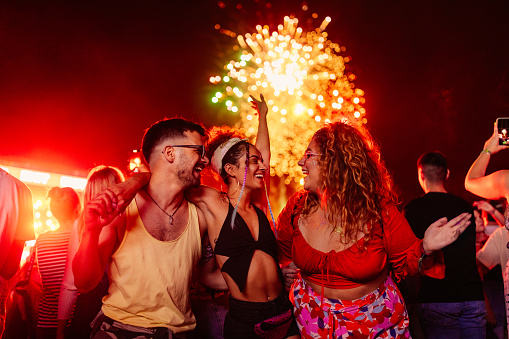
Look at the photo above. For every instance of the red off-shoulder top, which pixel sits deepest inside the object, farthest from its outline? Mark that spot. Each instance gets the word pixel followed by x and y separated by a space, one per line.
pixel 394 243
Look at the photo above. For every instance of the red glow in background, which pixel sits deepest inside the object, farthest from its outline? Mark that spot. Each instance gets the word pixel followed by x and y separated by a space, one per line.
pixel 79 82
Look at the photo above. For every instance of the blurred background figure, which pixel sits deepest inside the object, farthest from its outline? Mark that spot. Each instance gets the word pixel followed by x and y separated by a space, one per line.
pixel 51 254
pixel 492 186
pixel 16 227
pixel 87 304
pixel 452 307
pixel 488 218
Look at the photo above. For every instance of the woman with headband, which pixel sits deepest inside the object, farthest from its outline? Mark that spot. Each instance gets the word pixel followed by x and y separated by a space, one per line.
pixel 241 235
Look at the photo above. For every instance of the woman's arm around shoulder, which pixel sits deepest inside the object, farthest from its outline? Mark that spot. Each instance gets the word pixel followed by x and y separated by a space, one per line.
pixel 206 197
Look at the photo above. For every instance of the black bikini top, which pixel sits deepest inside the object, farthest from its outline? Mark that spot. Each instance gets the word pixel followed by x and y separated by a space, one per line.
pixel 239 245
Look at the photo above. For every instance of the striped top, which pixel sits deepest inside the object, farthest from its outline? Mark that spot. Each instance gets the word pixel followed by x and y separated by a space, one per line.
pixel 51 249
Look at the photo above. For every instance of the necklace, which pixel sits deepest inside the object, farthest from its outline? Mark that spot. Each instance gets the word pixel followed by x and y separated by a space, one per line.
pixel 170 216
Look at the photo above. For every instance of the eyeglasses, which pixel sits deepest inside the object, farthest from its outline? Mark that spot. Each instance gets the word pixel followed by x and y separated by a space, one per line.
pixel 198 147
pixel 309 154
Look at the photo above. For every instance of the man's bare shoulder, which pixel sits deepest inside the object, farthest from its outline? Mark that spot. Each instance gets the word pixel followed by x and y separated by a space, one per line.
pixel 206 197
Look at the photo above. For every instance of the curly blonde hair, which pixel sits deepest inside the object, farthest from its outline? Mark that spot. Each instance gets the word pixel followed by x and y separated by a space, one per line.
pixel 354 180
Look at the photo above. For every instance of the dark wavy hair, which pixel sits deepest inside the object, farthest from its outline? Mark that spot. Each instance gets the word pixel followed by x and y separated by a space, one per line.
pixel 354 180
pixel 164 129
pixel 220 135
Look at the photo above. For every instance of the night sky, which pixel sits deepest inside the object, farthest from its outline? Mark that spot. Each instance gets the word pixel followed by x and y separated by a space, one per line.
pixel 80 81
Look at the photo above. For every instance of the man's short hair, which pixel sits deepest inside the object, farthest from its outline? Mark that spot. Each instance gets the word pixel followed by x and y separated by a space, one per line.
pixel 433 166
pixel 164 129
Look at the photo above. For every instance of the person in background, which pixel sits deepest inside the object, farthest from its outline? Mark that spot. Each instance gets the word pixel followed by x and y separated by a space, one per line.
pixel 485 209
pixel 345 234
pixel 452 307
pixel 492 278
pixel 492 186
pixel 492 254
pixel 16 227
pixel 87 304
pixel 16 222
pixel 51 254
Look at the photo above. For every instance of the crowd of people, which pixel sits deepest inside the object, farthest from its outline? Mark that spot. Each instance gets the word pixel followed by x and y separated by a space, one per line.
pixel 337 263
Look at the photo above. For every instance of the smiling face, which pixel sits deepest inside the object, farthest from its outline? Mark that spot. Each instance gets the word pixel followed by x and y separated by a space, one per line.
pixel 255 170
pixel 310 163
pixel 190 163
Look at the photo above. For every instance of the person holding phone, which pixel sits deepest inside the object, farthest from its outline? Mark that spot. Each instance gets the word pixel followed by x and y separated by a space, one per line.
pixel 502 126
pixel 493 186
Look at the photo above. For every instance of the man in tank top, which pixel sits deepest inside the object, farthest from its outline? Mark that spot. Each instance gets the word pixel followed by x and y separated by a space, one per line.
pixel 152 248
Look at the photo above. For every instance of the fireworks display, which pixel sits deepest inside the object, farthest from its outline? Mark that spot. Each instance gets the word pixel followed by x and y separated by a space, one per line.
pixel 304 80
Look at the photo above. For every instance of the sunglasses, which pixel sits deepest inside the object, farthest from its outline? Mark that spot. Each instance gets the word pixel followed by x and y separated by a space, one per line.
pixel 198 147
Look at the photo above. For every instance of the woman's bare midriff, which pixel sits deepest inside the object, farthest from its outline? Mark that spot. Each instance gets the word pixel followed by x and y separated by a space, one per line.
pixel 351 293
pixel 263 282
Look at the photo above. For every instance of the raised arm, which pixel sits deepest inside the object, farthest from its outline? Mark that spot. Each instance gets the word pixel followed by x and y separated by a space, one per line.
pixel 263 145
pixel 495 185
pixel 262 138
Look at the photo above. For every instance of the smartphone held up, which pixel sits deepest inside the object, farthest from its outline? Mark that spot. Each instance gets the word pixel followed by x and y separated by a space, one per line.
pixel 503 127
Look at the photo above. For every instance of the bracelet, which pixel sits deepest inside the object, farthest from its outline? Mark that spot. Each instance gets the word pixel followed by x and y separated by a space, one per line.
pixel 419 262
pixel 486 151
pixel 424 255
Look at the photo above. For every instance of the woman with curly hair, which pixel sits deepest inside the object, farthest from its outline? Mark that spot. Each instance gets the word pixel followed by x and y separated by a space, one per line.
pixel 342 236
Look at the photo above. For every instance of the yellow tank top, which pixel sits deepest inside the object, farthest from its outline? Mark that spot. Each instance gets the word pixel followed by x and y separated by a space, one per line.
pixel 150 279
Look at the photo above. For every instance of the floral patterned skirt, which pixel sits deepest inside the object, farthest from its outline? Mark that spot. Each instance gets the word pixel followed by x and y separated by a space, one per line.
pixel 380 314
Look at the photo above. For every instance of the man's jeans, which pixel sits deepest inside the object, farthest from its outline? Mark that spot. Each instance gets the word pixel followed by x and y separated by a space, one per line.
pixel 453 320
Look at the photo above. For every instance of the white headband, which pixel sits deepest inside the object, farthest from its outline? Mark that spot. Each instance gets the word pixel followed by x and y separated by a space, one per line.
pixel 220 152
